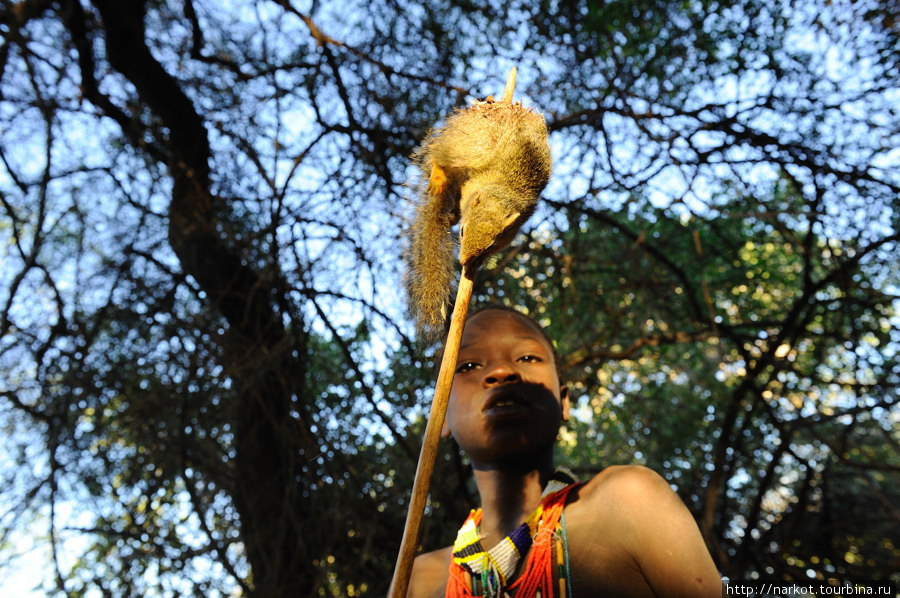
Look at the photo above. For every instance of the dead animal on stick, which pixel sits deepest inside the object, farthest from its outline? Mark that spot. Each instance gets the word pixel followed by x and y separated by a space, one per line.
pixel 484 169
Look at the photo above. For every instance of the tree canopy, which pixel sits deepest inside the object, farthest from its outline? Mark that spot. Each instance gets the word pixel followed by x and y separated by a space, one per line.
pixel 209 384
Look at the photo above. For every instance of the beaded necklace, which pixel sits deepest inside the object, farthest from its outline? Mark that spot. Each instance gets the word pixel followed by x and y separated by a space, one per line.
pixel 475 571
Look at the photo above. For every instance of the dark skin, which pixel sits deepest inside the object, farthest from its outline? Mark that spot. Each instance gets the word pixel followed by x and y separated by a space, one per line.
pixel 629 533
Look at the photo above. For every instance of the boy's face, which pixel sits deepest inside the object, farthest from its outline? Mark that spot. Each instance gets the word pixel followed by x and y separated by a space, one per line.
pixel 506 401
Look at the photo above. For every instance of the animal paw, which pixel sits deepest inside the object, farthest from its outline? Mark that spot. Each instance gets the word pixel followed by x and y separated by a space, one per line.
pixel 437 181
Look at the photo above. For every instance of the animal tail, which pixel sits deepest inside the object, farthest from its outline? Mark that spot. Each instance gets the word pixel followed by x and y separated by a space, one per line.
pixel 430 265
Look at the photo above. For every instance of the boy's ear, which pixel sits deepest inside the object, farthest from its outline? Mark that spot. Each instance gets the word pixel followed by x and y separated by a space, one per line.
pixel 445 430
pixel 564 402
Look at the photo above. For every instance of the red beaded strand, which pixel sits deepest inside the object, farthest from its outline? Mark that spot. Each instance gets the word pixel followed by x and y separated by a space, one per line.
pixel 537 574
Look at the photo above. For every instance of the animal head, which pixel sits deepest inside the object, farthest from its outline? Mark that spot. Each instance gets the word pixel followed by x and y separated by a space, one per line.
pixel 490 217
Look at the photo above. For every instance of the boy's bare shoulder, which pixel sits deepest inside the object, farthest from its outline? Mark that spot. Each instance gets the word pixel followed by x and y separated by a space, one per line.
pixel 429 574
pixel 624 481
pixel 630 521
pixel 628 501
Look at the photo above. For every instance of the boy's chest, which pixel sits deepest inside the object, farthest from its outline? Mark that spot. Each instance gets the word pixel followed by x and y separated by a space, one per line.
pixel 597 567
pixel 604 570
pixel 600 564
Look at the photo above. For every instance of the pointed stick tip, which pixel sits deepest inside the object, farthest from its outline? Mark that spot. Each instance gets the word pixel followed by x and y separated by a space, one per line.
pixel 510 86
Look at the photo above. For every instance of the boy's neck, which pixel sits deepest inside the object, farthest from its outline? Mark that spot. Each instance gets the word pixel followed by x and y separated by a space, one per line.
pixel 508 496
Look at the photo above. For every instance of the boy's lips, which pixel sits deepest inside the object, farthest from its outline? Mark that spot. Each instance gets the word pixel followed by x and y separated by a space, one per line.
pixel 505 400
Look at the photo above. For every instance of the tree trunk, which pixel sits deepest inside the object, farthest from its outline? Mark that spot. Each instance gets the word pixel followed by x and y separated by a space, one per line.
pixel 271 446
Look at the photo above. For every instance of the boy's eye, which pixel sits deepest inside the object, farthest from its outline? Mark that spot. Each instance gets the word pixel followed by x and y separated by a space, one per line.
pixel 530 358
pixel 466 366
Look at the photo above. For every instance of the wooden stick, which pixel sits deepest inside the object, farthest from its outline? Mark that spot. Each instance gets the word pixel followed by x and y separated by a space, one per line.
pixel 425 468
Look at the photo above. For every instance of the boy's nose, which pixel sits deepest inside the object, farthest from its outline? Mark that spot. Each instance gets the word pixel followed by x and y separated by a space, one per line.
pixel 501 374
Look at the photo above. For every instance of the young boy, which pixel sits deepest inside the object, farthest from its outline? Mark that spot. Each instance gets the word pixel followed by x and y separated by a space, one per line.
pixel 623 533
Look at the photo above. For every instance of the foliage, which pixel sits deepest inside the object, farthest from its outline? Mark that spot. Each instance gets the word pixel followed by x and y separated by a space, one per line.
pixel 205 366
